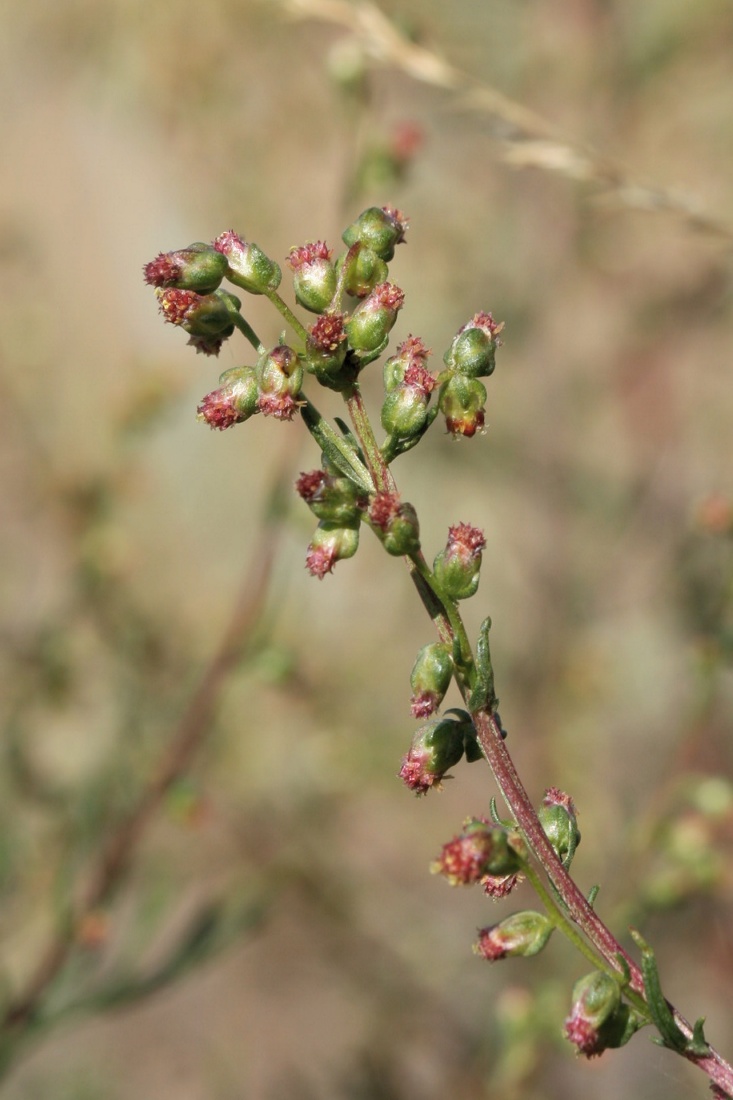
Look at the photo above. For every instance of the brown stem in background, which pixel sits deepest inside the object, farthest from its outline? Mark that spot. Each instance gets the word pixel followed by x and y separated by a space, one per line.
pixel 116 852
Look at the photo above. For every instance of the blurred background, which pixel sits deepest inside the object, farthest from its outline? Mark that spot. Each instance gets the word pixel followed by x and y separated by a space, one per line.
pixel 270 928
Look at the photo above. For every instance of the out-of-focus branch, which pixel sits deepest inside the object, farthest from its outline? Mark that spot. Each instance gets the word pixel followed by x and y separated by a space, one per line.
pixel 527 138
pixel 117 850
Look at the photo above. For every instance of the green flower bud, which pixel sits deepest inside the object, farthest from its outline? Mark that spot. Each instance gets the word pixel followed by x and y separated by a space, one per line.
pixel 436 747
pixel 524 934
pixel 206 317
pixel 473 350
pixel 462 401
pixel 280 378
pixel 364 271
pixel 457 566
pixel 198 267
pixel 395 523
pixel 557 817
pixel 379 229
pixel 330 543
pixel 430 678
pixel 235 401
pixel 599 1019
pixel 373 319
pixel 411 352
pixel 247 265
pixel 332 498
pixel 405 410
pixel 314 281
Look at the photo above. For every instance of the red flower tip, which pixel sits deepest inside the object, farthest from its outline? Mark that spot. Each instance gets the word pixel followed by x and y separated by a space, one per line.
pixel 419 378
pixel 206 345
pixel 320 560
pixel 500 886
pixel 399 220
pixel 229 242
pixel 176 305
pixel 465 540
pixel 163 270
pixel 384 509
pixel 416 774
pixel 583 1035
pixel 463 860
pixel 490 946
pixel 424 704
pixel 388 296
pixel 218 409
pixel 306 254
pixel 555 797
pixel 487 324
pixel 413 349
pixel 309 485
pixel 328 332
pixel 466 425
pixel 280 405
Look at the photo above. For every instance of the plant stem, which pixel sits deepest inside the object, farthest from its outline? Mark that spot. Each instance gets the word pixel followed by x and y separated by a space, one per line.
pixel 286 312
pixel 246 329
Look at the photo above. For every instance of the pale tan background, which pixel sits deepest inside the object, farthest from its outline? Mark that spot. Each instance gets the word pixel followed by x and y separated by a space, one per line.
pixel 132 128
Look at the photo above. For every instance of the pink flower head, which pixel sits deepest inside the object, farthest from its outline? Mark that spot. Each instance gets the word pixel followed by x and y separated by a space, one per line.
pixel 219 409
pixel 306 254
pixel 463 860
pixel 387 296
pixel 413 350
pixel 230 244
pixel 177 306
pixel 418 378
pixel 164 270
pixel 487 324
pixel 384 509
pixel 320 560
pixel 418 773
pixel 283 406
pixel 465 542
pixel 555 797
pixel 500 886
pixel 327 332
pixel 310 485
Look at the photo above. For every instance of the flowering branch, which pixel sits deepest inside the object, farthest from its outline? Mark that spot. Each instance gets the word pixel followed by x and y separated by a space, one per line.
pixel 355 487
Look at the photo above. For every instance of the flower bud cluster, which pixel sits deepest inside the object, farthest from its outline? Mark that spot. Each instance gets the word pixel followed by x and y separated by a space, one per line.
pixel 471 356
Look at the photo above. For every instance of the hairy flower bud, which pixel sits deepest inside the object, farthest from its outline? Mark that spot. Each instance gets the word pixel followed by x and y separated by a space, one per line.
pixel 279 377
pixel 395 524
pixel 473 350
pixel 330 543
pixel 524 934
pixel 558 818
pixel 234 402
pixel 481 849
pixel 326 347
pixel 405 410
pixel 457 566
pixel 379 229
pixel 247 265
pixel 462 401
pixel 436 747
pixel 198 267
pixel 207 318
pixel 373 319
pixel 364 271
pixel 331 498
pixel 599 1019
pixel 411 352
pixel 314 280
pixel 430 678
